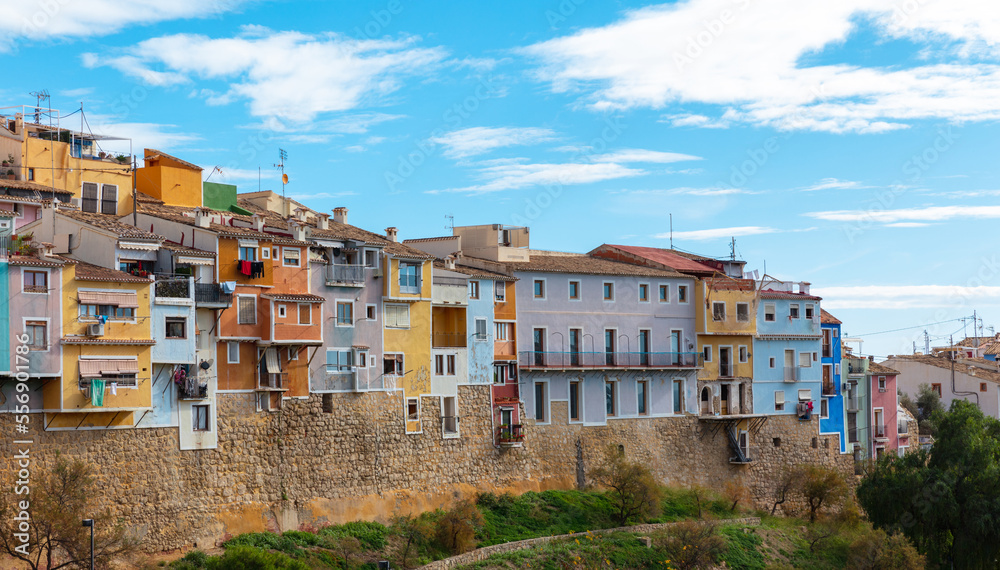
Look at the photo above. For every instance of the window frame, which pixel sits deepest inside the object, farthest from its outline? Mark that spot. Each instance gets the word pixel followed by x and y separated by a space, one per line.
pixel 643 288
pixel 201 411
pixel 793 311
pixel 229 352
pixel 340 316
pixel 298 256
pixel 770 310
pixel 810 311
pixel 569 289
pixel 307 307
pixel 395 308
pixel 412 409
pixel 682 295
pixel 473 289
pixel 608 291
pixel 33 323
pixel 743 353
pixel 485 335
pixel 663 293
pixel 499 292
pixel 282 311
pixel 25 288
pixel 575 416
pixel 538 289
pixel 167 321
pixel 545 402
pixel 371 311
pixel 779 404
pixel 245 251
pixel 746 312
pixel 408 288
pixel 718 316
pixel 239 310
pixel 642 397
pixel 613 395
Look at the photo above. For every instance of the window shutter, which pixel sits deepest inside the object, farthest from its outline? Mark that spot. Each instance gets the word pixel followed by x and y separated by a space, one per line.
pixel 109 199
pixel 89 201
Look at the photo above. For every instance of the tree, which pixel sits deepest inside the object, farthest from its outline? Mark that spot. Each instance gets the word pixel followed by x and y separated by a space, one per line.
pixel 946 501
pixel 735 492
pixel 412 534
pixel 456 530
pixel 877 550
pixel 59 500
pixel 820 487
pixel 691 545
pixel 928 403
pixel 784 486
pixel 633 491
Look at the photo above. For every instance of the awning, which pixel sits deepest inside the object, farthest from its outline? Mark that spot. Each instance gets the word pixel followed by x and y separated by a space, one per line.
pixel 187 260
pixel 248 243
pixel 271 361
pixel 126 299
pixel 136 255
pixel 328 244
pixel 97 368
pixel 138 245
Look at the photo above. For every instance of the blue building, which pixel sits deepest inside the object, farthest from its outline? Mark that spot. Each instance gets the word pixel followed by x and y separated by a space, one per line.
pixel 832 419
pixel 786 349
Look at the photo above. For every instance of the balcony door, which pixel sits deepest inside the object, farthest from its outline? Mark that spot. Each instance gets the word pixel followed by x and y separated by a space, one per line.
pixel 675 348
pixel 725 361
pixel 789 365
pixel 574 346
pixel 609 347
pixel 538 338
pixel 724 391
pixel 643 348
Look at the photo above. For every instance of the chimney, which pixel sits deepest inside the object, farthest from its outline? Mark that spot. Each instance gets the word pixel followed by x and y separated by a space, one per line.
pixel 389 232
pixel 202 218
pixel 258 222
pixel 298 230
pixel 804 287
pixel 340 215
pixel 322 221
pixel 300 214
pixel 871 358
pixel 48 247
pixel 449 262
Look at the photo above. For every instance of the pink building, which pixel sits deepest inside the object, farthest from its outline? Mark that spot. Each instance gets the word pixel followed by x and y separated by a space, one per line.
pixel 884 403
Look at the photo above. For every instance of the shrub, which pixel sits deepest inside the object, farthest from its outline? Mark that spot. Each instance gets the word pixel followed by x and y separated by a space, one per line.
pixel 691 545
pixel 370 534
pixel 735 492
pixel 456 530
pixel 412 535
pixel 633 491
pixel 249 558
pixel 264 541
pixel 877 550
pixel 820 487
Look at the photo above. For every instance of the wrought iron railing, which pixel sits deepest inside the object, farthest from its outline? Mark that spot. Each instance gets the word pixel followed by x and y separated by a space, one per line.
pixel 211 294
pixel 536 359
pixel 510 434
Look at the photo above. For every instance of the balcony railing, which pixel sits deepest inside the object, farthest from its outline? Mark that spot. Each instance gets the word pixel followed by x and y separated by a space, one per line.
pixel 829 389
pixel 852 403
pixel 792 374
pixel 535 359
pixel 345 274
pixel 879 432
pixel 855 366
pixel 510 435
pixel 173 288
pixel 448 340
pixel 274 381
pixel 192 389
pixel 206 294
pixel 450 281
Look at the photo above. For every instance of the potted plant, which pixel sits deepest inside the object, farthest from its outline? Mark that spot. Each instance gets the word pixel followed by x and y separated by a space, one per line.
pixel 10 174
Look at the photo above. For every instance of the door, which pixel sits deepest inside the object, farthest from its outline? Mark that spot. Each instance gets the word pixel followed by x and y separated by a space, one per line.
pixel 706 401
pixel 878 428
pixel 725 361
pixel 643 348
pixel 725 399
pixel 789 366
pixel 675 348
pixel 538 336
pixel 609 347
pixel 450 416
pixel 574 347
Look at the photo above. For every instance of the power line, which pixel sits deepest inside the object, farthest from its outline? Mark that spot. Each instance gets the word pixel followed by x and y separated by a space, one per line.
pixel 909 328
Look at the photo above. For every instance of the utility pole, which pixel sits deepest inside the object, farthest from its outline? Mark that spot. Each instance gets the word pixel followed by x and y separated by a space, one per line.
pixel 282 156
pixel 671 231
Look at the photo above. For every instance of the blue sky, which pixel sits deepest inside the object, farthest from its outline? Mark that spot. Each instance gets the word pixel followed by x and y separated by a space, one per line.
pixel 851 145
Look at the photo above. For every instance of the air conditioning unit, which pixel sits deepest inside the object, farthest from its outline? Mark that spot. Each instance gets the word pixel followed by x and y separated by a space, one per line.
pixel 75 202
pixel 95 329
pixel 377 272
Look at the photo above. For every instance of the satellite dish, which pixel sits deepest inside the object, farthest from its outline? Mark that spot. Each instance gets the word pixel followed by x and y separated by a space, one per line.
pixel 336 252
pixel 284 178
pixel 206 364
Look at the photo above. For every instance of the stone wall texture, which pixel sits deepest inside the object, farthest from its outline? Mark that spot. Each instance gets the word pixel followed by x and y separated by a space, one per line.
pixel 301 466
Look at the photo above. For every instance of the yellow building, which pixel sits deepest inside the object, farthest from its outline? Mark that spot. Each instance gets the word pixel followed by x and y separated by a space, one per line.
pixel 168 178
pixel 68 161
pixel 725 321
pixel 106 340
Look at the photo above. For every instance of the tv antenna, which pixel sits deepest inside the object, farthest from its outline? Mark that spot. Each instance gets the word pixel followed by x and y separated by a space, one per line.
pixel 214 170
pixel 40 96
pixel 282 157
pixel 451 222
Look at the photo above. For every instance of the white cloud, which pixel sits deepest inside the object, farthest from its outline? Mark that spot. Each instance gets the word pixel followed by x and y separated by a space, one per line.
pixel 690 120
pixel 642 155
pixel 905 296
pixel 40 20
pixel 686 191
pixel 479 140
pixel 834 184
pixel 908 225
pixel 740 58
pixel 511 175
pixel 290 76
pixel 233 175
pixel 928 214
pixel 143 135
pixel 717 233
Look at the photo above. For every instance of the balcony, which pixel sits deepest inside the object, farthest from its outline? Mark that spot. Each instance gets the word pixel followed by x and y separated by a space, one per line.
pixel 273 382
pixel 192 389
pixel 879 432
pixel 338 275
pixel 173 288
pixel 448 340
pixel 829 389
pixel 563 360
pixel 792 374
pixel 856 366
pixel 852 403
pixel 510 435
pixel 211 296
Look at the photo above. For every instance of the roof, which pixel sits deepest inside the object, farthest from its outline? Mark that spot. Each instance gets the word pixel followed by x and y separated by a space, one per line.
pixel 90 272
pixel 978 367
pixel 878 369
pixel 476 272
pixel 7 214
pixel 294 298
pixel 152 154
pixel 177 214
pixel 38 260
pixel 144 198
pixel 185 250
pixel 105 340
pixel 827 319
pixel 667 257
pixel 993 348
pixel 587 265
pixel 109 223
pixel 771 294
pixel 973 341
pixel 42 190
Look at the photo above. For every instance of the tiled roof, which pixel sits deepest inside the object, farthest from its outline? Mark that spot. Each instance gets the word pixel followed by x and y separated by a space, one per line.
pixel 723 283
pixel 152 153
pixel 770 294
pixel 43 191
pixel 38 261
pixel 89 272
pixel 289 241
pixel 827 319
pixel 667 257
pixel 144 198
pixel 973 341
pixel 7 214
pixel 587 265
pixel 185 250
pixel 295 298
pixel 476 272
pixel 109 223
pixel 993 348
pixel 176 214
pixel 879 369
pixel 986 369
pixel 105 340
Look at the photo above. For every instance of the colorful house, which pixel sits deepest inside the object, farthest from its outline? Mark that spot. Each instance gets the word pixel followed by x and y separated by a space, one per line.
pixel 884 417
pixel 974 380
pixel 832 413
pixel 857 403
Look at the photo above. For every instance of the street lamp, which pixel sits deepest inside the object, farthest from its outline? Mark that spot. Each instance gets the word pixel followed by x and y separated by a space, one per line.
pixel 90 523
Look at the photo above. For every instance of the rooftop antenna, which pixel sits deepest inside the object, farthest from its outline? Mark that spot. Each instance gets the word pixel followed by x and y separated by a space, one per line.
pixel 732 249
pixel 40 96
pixel 283 156
pixel 214 170
pixel 927 342
pixel 451 222
pixel 671 231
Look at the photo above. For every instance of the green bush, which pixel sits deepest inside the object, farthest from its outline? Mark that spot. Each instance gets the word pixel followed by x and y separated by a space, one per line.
pixel 301 538
pixel 371 535
pixel 192 560
pixel 250 558
pixel 265 541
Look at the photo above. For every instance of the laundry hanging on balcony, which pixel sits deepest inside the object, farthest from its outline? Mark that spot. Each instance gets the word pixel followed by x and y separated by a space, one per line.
pixel 97 392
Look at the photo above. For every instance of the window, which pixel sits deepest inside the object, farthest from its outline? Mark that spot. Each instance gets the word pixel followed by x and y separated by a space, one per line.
pixel 293 353
pixel 409 281
pixel 274 254
pixel 503 373
pixel 290 256
pixel 499 291
pixel 473 289
pixel 779 400
pixel 109 199
pixel 248 253
pixel 233 352
pixel 805 360
pixel 345 314
pixel 327 403
pixel 36 281
pixel 881 384
pixel 247 310
pixel 109 311
pixel 305 314
pixel 38 338
pixel 199 418
pixel 362 359
pixel 809 311
pixel 339 360
pixel 769 312
pixel 744 354
pixel 824 408
pixel 439 364
pixel 371 258
pixel 706 352
pixel 743 312
pixel 444 364
pixel 392 365
pixel 31 173
pixel 678 396
pixel 610 396
pixel 682 293
pixel 827 343
pixel 539 288
pixel 282 311
pixel 89 197
pixel 481 329
pixel 265 253
pixel 263 401
pixel 371 312
pixel 412 409
pixel 805 395
pixel 609 291
pixel 176 327
pixel 664 293
pixel 541 403
pixel 642 396
pixel 574 290
pixel 793 311
pixel 643 293
pixel 771 362
pixel 396 316
pixel 718 311
pixel 574 401
pixel 502 331
pixel 610 336
pixel 982 386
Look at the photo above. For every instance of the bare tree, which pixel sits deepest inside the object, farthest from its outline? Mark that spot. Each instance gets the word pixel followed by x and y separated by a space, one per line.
pixel 633 491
